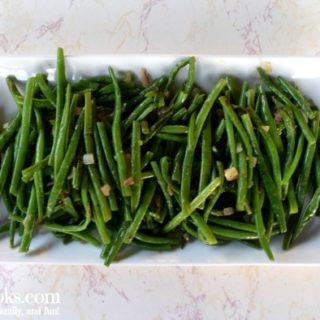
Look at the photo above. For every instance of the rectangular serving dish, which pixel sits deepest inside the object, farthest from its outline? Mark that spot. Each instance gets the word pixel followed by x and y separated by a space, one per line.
pixel 47 249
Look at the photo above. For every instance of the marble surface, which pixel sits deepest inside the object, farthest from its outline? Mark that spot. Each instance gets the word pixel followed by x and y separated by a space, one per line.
pixel 279 27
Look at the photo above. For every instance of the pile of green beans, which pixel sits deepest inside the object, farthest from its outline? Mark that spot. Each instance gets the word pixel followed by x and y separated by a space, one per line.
pixel 114 161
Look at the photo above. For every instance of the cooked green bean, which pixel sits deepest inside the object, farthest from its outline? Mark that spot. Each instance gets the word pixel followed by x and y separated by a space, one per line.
pixel 9 131
pixel 89 146
pixel 107 148
pixel 24 137
pixel 257 204
pixel 38 175
pixel 29 222
pixel 163 186
pixel 303 181
pixel 6 165
pixel 61 91
pixel 243 135
pixel 242 191
pixel 98 216
pixel 116 137
pixel 206 157
pixel 203 229
pixel 62 138
pixel 66 163
pixel 270 186
pixel 149 190
pixel 297 96
pixel 209 190
pixel 136 165
pixel 46 89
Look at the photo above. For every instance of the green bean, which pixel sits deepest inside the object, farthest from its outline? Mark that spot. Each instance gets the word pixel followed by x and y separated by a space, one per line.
pixel 297 96
pixel 116 137
pixel 308 213
pixel 303 125
pixel 187 61
pixel 269 185
pixel 171 137
pixel 268 82
pixel 84 194
pixel 292 199
pixel 29 222
pixel 231 140
pixel 317 167
pixel 136 165
pixel 289 171
pixel 145 127
pixel 110 251
pixel 203 229
pixel 148 193
pixel 67 206
pixel 151 246
pixel 221 128
pixel 176 171
pixel 56 227
pixel 272 152
pixel 148 110
pixel 209 190
pixel 9 131
pixel 46 89
pixel 206 157
pixel 62 138
pixel 147 175
pixel 65 165
pixel 38 175
pixel 243 92
pixel 163 186
pixel 156 239
pixel 89 146
pixel 146 159
pixel 137 112
pixel 6 166
pixel 269 120
pixel 105 175
pixel 12 232
pixel 257 204
pixel 84 236
pixel 242 191
pixel 303 181
pixel 232 234
pixel 28 173
pixel 24 137
pixel 107 148
pixel 196 102
pixel 154 86
pixel 174 129
pixel 212 201
pixel 291 135
pixel 207 106
pixel 76 176
pixel 98 216
pixel 61 91
pixel 164 165
pixel 21 197
pixel 187 166
pixel 243 135
pixel 233 224
pixel 15 93
pixel 251 97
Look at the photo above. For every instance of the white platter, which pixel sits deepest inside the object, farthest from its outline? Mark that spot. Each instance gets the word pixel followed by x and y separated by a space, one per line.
pixel 47 249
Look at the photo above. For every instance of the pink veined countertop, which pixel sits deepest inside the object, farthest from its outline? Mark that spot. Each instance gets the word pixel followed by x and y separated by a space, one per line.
pixel 282 27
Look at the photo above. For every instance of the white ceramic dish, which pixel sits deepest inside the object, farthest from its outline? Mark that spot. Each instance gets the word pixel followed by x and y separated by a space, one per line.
pixel 47 249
